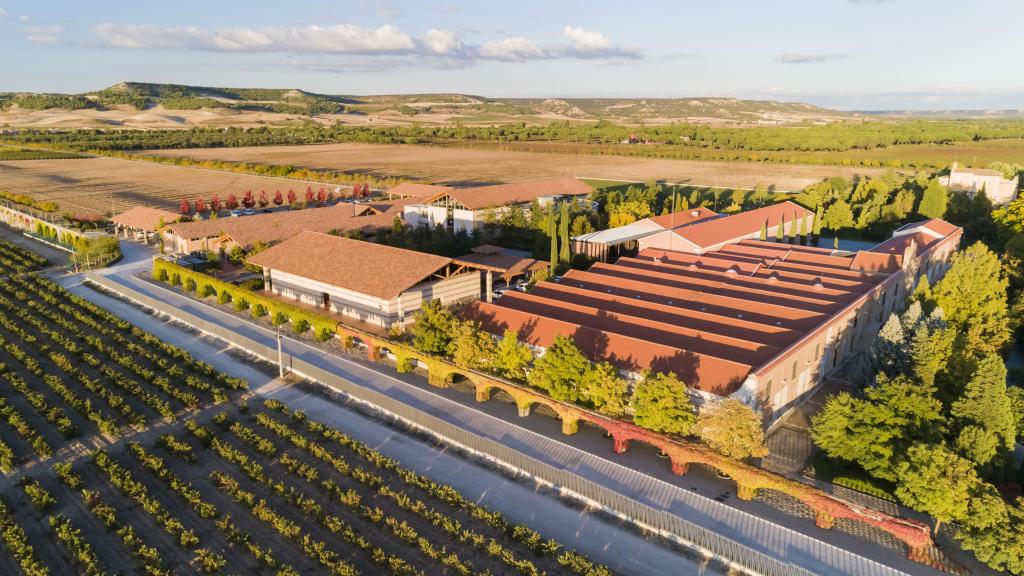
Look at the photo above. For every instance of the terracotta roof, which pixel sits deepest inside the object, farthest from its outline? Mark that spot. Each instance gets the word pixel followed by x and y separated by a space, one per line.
pixel 683 217
pixel 479 197
pixel 364 267
pixel 709 233
pixel 502 263
pixel 277 226
pixel 877 261
pixel 936 225
pixel 414 190
pixel 144 218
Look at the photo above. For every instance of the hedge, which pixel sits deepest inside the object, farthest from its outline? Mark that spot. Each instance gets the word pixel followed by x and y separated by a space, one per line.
pixel 204 285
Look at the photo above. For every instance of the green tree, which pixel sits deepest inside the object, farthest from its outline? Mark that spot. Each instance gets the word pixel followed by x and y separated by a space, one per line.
pixel 581 225
pixel 732 429
pixel 779 230
pixel 604 389
pixel 973 296
pixel 936 481
pixel 934 200
pixel 930 351
pixel 764 231
pixel 998 542
pixel 553 236
pixel 889 351
pixel 817 221
pixel 432 330
pixel 838 216
pixel 1009 219
pixel 875 430
pixel 662 404
pixel 985 413
pixel 512 356
pixel 471 347
pixel 560 370
pixel 564 248
pixel 1016 394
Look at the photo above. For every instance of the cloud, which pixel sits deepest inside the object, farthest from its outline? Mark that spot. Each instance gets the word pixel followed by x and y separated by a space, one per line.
pixel 3 13
pixel 43 34
pixel 436 47
pixel 512 49
pixel 797 58
pixel 337 39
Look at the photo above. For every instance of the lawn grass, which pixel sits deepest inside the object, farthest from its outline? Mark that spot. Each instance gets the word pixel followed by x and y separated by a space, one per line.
pixel 850 476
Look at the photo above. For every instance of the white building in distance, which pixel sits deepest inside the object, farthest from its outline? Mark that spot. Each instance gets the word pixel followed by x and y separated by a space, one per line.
pixel 998 189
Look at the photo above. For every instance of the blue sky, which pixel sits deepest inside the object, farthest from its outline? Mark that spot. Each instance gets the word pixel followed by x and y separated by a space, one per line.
pixel 847 54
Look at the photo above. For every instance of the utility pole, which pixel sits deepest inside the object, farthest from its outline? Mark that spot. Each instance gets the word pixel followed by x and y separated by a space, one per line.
pixel 280 354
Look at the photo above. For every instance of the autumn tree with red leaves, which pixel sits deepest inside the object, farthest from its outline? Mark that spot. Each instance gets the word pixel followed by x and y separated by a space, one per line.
pixel 215 203
pixel 263 199
pixel 278 199
pixel 321 196
pixel 291 196
pixel 200 206
pixel 231 202
pixel 248 201
pixel 185 208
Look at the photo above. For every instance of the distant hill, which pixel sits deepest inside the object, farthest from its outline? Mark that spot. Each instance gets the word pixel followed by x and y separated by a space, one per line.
pixel 138 104
pixel 949 114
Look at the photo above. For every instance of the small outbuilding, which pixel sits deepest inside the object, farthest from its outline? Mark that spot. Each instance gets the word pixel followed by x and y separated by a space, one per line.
pixel 142 222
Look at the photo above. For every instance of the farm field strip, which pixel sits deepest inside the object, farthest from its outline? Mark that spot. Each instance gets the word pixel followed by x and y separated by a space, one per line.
pixel 266 490
pixel 473 165
pixel 102 185
pixel 70 369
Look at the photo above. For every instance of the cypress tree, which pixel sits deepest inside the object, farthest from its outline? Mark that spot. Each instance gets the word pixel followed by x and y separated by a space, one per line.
pixel 564 249
pixel 781 227
pixel 553 236
pixel 835 242
pixel 792 230
pixel 764 230
pixel 817 222
pixel 801 239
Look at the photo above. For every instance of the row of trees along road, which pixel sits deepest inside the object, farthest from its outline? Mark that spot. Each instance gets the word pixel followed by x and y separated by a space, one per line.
pixel 659 402
pixel 939 424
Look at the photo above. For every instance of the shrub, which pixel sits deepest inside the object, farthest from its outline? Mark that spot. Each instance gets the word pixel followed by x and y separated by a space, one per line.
pixel 175 279
pixel 279 318
pixel 300 326
pixel 324 334
pixel 224 297
pixel 190 285
pixel 241 304
pixel 205 291
pixel 404 365
pixel 259 311
pixel 161 275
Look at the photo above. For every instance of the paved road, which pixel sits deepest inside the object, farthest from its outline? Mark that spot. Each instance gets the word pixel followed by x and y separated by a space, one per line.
pixel 638 473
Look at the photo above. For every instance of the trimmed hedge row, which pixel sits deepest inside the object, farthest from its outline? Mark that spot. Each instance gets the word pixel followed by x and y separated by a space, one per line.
pixel 258 305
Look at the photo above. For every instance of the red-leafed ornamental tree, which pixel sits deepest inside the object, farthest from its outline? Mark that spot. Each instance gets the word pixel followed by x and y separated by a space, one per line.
pixel 263 199
pixel 185 208
pixel 215 203
pixel 291 196
pixel 321 197
pixel 200 206
pixel 357 190
pixel 248 201
pixel 278 199
pixel 309 195
pixel 231 202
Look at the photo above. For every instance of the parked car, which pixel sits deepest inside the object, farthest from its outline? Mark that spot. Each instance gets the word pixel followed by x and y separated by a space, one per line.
pixel 236 213
pixel 248 212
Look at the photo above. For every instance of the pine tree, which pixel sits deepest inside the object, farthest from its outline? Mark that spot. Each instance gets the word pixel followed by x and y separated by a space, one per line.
pixel 986 405
pixel 934 200
pixel 973 296
pixel 889 350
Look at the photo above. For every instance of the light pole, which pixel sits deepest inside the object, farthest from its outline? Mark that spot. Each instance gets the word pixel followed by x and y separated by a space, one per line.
pixel 280 354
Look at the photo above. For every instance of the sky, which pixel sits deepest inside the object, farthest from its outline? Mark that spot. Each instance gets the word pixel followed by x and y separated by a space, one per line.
pixel 842 54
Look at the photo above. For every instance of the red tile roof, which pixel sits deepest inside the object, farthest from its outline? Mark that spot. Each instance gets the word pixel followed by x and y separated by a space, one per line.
pixel 414 190
pixel 280 225
pixel 480 197
pixel 364 267
pixel 683 217
pixel 710 233
pixel 145 218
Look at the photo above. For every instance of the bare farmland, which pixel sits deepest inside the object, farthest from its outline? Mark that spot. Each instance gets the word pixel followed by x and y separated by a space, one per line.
pixel 467 166
pixel 102 185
